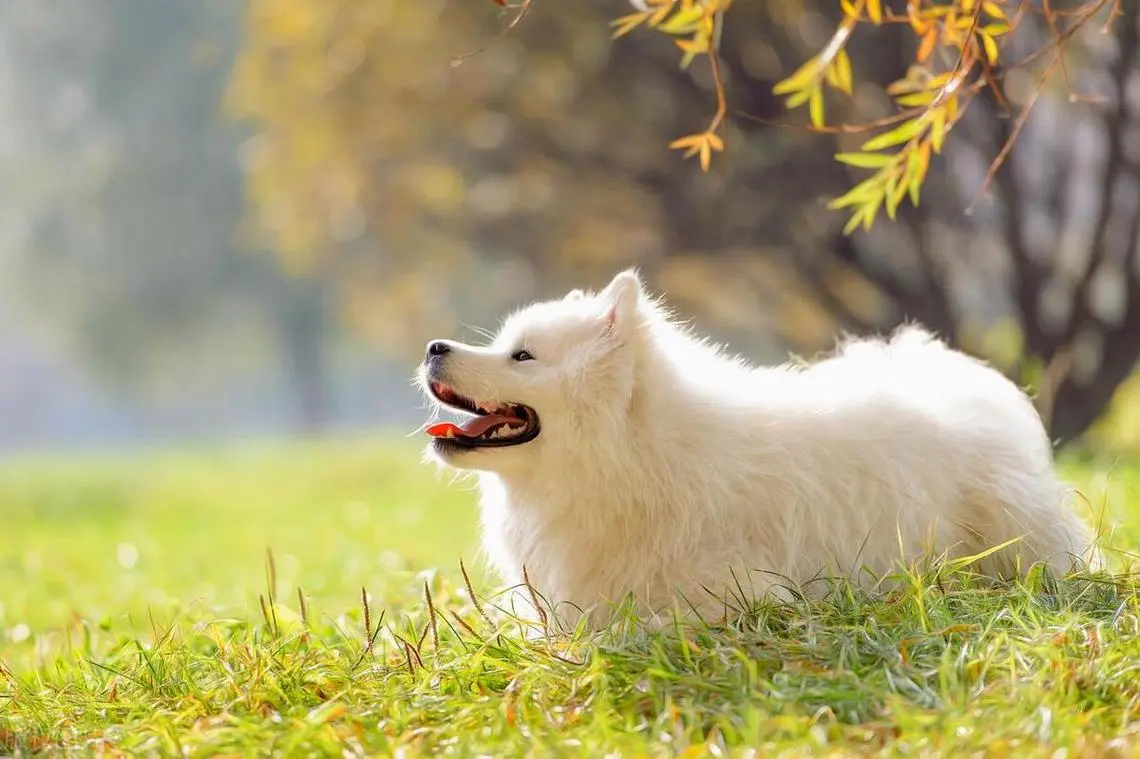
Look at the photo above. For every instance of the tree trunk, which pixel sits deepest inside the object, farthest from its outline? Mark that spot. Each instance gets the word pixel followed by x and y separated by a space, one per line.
pixel 303 317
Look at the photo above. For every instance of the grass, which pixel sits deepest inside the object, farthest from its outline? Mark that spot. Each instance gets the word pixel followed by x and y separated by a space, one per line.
pixel 141 614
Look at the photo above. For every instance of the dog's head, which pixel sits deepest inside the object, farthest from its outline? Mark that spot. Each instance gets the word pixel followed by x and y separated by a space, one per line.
pixel 553 371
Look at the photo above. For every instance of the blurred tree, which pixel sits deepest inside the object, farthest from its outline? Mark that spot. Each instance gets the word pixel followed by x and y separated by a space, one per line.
pixel 129 197
pixel 544 158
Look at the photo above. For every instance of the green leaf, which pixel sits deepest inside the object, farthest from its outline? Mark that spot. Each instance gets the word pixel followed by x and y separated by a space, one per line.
pixel 854 222
pixel 857 195
pixel 896 191
pixel 871 210
pixel 866 160
pixel 904 132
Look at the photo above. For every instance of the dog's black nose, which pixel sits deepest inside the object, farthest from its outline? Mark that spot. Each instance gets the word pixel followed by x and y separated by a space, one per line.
pixel 438 348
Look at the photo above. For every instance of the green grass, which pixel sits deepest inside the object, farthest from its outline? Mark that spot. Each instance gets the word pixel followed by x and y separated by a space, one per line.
pixel 135 616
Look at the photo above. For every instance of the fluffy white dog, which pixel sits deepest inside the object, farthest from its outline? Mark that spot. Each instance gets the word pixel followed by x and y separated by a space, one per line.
pixel 619 455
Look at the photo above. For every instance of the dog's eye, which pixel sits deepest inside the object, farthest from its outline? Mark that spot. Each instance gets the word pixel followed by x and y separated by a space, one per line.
pixel 522 356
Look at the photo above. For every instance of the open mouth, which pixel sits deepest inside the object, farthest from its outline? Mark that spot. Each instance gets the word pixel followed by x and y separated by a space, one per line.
pixel 492 425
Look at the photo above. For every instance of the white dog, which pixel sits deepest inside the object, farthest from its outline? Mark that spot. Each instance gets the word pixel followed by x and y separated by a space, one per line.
pixel 618 455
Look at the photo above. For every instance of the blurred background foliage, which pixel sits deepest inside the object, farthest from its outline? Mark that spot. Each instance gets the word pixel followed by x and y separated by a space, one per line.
pixel 229 218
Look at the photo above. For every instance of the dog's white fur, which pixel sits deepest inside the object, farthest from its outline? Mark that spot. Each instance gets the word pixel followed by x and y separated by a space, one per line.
pixel 666 469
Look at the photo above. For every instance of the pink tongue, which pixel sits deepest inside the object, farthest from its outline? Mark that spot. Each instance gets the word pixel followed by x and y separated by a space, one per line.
pixel 474 427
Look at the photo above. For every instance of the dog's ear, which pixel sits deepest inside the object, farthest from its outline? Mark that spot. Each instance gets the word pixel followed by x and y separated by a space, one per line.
pixel 621 298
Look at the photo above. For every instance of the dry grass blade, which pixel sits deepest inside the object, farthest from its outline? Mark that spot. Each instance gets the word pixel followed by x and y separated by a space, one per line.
pixel 463 623
pixel 431 618
pixel 302 607
pixel 471 594
pixel 370 632
pixel 534 599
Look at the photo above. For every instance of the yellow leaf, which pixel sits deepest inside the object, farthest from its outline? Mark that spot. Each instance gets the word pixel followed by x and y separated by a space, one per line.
pixel 993 10
pixel 964 23
pixel 914 99
pixel 801 78
pixel 627 24
pixel 938 128
pixel 707 25
pixel 926 47
pixel 683 21
pixel 918 23
pixel 830 76
pixel 919 162
pixel 815 107
pixel 797 99
pixel 660 14
pixel 996 29
pixel 843 73
pixel 875 11
pixel 991 48
pixel 701 145
pixel 939 81
pixel 696 45
pixel 951 35
pixel 900 86
pixel 687 141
